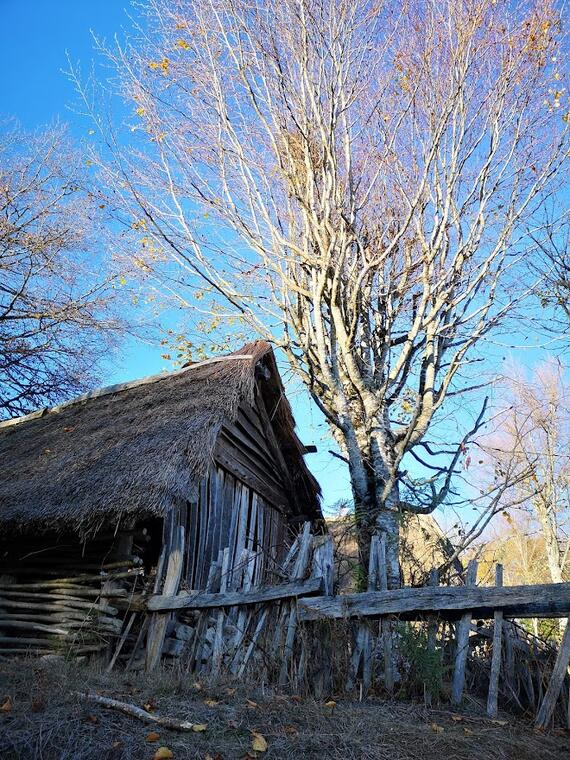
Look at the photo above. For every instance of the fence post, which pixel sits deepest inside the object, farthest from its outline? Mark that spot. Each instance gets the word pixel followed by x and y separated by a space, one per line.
pixel 432 629
pixel 462 636
pixel 385 625
pixel 556 680
pixel 493 696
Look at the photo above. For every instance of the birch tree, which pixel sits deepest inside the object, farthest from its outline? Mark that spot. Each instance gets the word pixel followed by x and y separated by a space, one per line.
pixel 352 180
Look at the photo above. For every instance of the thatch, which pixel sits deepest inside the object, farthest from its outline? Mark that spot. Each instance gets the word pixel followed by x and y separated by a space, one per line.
pixel 132 449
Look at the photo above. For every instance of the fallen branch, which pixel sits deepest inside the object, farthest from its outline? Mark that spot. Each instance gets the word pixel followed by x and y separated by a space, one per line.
pixel 136 712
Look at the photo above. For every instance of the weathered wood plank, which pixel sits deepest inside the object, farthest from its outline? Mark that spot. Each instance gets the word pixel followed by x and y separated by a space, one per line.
pixel 556 681
pixel 493 695
pixel 158 623
pixel 200 601
pixel 299 570
pixel 226 460
pixel 514 601
pixel 463 629
pixel 385 625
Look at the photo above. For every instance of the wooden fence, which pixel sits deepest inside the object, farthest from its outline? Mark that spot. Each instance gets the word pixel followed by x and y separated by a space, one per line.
pixel 301 634
pixel 431 642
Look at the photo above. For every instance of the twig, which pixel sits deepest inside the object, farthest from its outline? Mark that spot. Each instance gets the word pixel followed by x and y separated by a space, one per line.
pixel 136 712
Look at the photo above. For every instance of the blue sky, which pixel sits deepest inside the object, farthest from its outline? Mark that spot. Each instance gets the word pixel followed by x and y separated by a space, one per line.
pixel 34 39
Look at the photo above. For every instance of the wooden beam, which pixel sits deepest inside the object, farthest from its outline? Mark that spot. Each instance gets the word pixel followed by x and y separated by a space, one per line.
pixel 200 600
pixel 515 601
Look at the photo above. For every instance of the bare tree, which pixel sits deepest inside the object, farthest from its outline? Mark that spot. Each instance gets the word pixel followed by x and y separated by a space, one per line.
pixel 534 440
pixel 353 180
pixel 553 265
pixel 54 295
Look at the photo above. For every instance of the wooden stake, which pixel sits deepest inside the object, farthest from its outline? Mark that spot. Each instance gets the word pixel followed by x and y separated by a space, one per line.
pixel 386 627
pixel 301 564
pixel 217 649
pixel 159 621
pixel 556 680
pixel 462 635
pixel 493 696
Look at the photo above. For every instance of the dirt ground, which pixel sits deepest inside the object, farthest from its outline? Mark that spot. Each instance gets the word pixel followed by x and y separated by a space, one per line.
pixel 42 718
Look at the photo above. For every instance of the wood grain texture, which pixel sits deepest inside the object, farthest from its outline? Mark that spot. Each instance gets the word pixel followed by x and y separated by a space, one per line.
pixel 515 601
pixel 202 601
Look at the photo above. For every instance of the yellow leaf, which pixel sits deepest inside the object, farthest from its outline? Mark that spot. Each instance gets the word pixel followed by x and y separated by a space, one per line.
pixel 183 44
pixel 258 742
pixel 140 111
pixel 436 728
pixel 163 753
pixel 199 727
pixel 152 737
pixel 331 703
pixel 211 702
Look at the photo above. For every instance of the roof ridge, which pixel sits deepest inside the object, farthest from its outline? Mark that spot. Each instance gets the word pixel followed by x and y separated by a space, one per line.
pixel 117 388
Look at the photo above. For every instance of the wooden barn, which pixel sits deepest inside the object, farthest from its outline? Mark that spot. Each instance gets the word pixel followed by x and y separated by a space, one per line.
pixel 140 488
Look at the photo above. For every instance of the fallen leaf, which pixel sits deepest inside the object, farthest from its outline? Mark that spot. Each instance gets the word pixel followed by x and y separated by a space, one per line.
pixel 457 718
pixel 163 753
pixel 258 742
pixel 39 704
pixel 468 731
pixel 437 729
pixel 197 685
pixel 149 706
pixel 6 706
pixel 296 698
pixel 199 727
pixel 291 730
pixel 230 692
pixel 93 719
pixel 152 737
pixel 500 722
pixel 217 756
pixel 211 702
pixel 251 703
pixel 331 703
pixel 116 744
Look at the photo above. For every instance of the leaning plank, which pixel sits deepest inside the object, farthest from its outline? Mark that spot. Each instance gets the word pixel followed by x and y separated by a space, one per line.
pixel 299 570
pixel 158 623
pixel 463 628
pixel 515 601
pixel 493 696
pixel 136 712
pixel 200 601
pixel 556 681
pixel 218 646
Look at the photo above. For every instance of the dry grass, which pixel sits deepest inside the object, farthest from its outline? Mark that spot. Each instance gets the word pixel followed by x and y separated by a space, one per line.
pixel 47 722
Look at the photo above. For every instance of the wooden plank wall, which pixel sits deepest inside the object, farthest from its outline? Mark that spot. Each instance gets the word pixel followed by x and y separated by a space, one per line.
pixel 230 514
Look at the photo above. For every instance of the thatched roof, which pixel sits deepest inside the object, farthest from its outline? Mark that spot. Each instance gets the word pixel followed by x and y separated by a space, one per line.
pixel 133 448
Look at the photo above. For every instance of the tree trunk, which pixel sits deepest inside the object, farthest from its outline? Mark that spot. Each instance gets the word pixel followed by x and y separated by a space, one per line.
pixel 376 514
pixel 373 477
